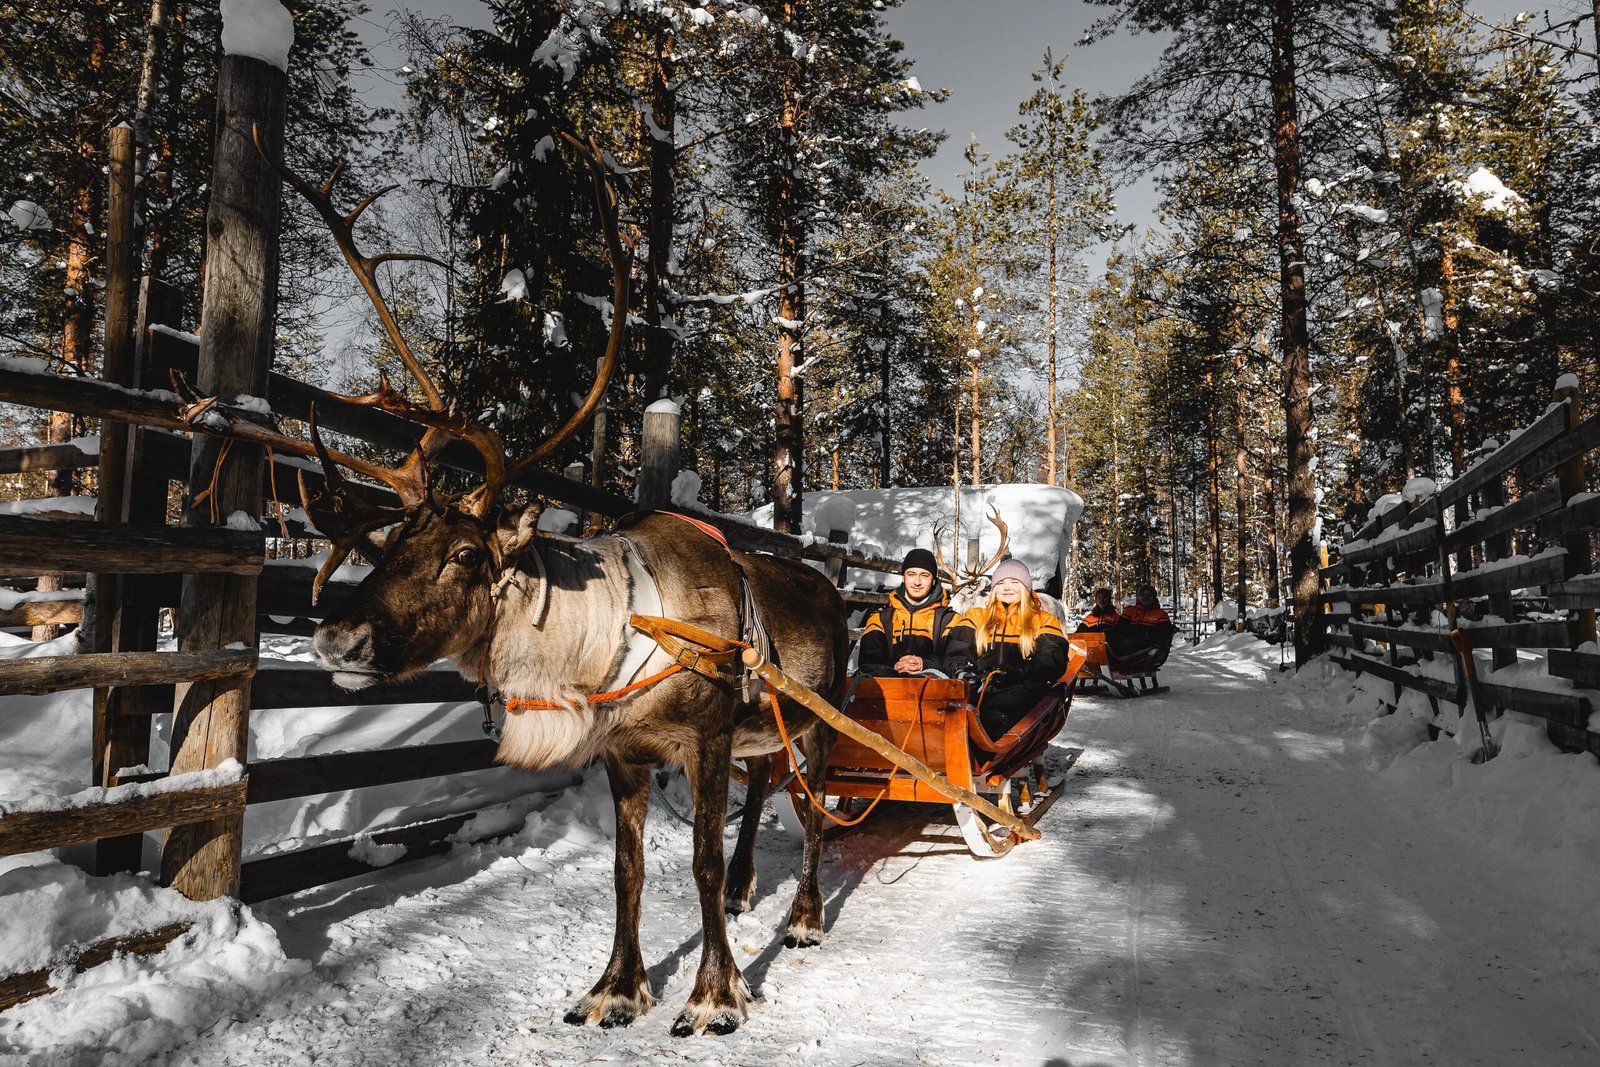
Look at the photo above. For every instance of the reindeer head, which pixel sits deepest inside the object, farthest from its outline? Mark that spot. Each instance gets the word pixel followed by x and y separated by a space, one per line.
pixel 437 557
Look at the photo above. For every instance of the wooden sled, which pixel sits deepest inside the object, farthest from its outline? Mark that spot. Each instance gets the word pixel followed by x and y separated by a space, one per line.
pixel 1132 676
pixel 918 739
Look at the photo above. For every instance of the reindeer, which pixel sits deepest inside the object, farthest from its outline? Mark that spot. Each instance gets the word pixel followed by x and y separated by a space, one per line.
pixel 544 620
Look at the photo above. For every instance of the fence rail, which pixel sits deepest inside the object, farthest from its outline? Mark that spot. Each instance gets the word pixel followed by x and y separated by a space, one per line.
pixel 1494 553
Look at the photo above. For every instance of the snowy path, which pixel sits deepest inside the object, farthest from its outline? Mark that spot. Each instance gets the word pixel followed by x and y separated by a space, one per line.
pixel 1221 884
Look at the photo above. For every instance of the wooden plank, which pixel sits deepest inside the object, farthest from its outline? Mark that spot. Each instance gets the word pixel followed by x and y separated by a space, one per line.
pixel 304 776
pixel 1575 593
pixel 1580 518
pixel 54 674
pixel 1434 687
pixel 25 986
pixel 314 688
pixel 1429 591
pixel 1335 571
pixel 1573 738
pixel 1406 544
pixel 1547 428
pixel 1551 635
pixel 28 546
pixel 1567 708
pixel 1341 640
pixel 46 458
pixel 290 872
pixel 1520 512
pixel 43 613
pixel 1538 571
pixel 1578 441
pixel 1433 639
pixel 32 831
pixel 1583 667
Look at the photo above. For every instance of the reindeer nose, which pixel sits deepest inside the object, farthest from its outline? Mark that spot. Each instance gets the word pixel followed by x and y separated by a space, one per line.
pixel 342 646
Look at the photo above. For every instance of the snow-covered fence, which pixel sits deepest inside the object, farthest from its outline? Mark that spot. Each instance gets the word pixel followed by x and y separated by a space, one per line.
pixel 1502 553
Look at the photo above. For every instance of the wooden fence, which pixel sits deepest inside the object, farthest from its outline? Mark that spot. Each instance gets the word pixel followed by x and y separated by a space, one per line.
pixel 1503 553
pixel 136 563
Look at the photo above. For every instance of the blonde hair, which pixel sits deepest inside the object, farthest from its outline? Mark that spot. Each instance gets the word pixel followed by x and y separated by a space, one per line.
pixel 1026 620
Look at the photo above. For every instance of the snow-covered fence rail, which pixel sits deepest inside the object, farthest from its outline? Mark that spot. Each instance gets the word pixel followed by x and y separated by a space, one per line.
pixel 1501 553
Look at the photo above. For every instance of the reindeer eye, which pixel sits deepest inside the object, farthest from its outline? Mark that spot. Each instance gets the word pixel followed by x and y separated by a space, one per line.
pixel 468 557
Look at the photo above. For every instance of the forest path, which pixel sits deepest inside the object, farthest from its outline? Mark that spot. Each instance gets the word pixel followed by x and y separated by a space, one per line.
pixel 1220 884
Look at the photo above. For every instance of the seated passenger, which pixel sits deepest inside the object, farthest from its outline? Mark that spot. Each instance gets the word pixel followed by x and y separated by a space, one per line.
pixel 907 635
pixel 1102 617
pixel 1143 634
pixel 1010 651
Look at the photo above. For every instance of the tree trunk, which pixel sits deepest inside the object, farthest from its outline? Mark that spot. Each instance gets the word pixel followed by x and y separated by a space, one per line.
pixel 1299 444
pixel 659 134
pixel 788 455
pixel 1241 491
pixel 1051 240
pixel 1213 489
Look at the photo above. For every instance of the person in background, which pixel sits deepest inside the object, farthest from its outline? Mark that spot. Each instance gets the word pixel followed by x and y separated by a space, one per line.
pixel 1010 651
pixel 1144 632
pixel 1103 616
pixel 908 634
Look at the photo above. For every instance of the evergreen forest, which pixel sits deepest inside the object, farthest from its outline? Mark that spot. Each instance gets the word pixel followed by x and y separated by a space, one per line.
pixel 1375 247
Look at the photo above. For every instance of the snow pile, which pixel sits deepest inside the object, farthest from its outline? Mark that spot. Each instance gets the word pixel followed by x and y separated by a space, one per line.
pixel 891 522
pixel 1495 196
pixel 1531 800
pixel 134 1008
pixel 260 29
pixel 59 505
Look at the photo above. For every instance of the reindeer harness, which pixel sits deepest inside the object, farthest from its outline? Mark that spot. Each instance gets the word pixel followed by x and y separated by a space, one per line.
pixel 690 647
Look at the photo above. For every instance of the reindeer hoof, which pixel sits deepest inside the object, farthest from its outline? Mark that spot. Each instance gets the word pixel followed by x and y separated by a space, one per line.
pixel 720 1023
pixel 802 937
pixel 609 1010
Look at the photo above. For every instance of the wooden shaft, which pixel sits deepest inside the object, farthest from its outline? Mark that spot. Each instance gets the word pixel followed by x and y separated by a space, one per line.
pixel 802 695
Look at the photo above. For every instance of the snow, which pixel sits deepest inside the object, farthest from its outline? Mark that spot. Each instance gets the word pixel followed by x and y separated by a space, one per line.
pixel 1496 197
pixel 1566 381
pixel 260 29
pixel 664 406
pixel 1418 489
pixel 891 522
pixel 25 215
pixel 1254 869
pixel 59 505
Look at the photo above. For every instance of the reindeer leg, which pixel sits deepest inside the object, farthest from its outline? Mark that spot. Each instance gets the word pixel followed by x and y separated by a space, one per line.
pixel 805 916
pixel 717 1004
pixel 623 992
pixel 740 885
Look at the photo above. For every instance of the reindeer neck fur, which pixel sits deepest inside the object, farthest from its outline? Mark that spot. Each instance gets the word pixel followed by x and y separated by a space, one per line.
pixel 557 635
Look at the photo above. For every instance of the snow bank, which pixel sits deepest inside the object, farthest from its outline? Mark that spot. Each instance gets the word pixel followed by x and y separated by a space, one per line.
pixel 1532 800
pixel 135 1008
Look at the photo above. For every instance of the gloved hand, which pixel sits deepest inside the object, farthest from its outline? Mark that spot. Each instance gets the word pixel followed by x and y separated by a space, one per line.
pixel 1008 677
pixel 970 675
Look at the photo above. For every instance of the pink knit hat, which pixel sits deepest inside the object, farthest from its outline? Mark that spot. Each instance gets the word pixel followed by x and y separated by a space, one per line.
pixel 1013 568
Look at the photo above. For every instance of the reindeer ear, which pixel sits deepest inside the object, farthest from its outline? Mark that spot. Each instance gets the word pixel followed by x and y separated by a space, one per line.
pixel 516 529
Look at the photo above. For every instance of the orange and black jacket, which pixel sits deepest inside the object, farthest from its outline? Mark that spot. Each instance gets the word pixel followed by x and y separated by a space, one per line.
pixel 1141 616
pixel 1099 621
pixel 1004 653
pixel 899 629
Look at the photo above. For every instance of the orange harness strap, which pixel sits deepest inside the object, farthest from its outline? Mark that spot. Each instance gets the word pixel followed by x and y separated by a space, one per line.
pixel 691 648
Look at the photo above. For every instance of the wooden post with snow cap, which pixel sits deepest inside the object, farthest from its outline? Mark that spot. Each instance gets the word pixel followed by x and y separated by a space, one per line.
pixel 1571 478
pixel 659 455
pixel 211 718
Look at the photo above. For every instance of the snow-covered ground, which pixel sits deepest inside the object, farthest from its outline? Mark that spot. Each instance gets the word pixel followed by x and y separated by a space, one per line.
pixel 1246 870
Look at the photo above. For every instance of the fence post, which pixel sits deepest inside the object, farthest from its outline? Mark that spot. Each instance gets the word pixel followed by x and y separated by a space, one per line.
pixel 659 455
pixel 119 740
pixel 211 719
pixel 1571 477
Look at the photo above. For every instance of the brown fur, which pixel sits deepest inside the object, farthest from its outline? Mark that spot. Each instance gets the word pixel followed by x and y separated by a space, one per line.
pixel 480 613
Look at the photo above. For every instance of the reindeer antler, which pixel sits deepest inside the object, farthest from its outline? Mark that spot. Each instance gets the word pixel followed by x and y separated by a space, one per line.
pixel 950 575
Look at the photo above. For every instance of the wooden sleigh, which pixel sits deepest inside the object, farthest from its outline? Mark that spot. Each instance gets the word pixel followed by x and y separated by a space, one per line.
pixel 919 739
pixel 1131 676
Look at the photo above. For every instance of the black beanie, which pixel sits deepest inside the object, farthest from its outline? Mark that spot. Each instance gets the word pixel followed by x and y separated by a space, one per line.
pixel 920 557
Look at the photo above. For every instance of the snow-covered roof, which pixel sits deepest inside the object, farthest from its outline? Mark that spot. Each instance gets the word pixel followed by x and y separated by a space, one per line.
pixel 891 522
